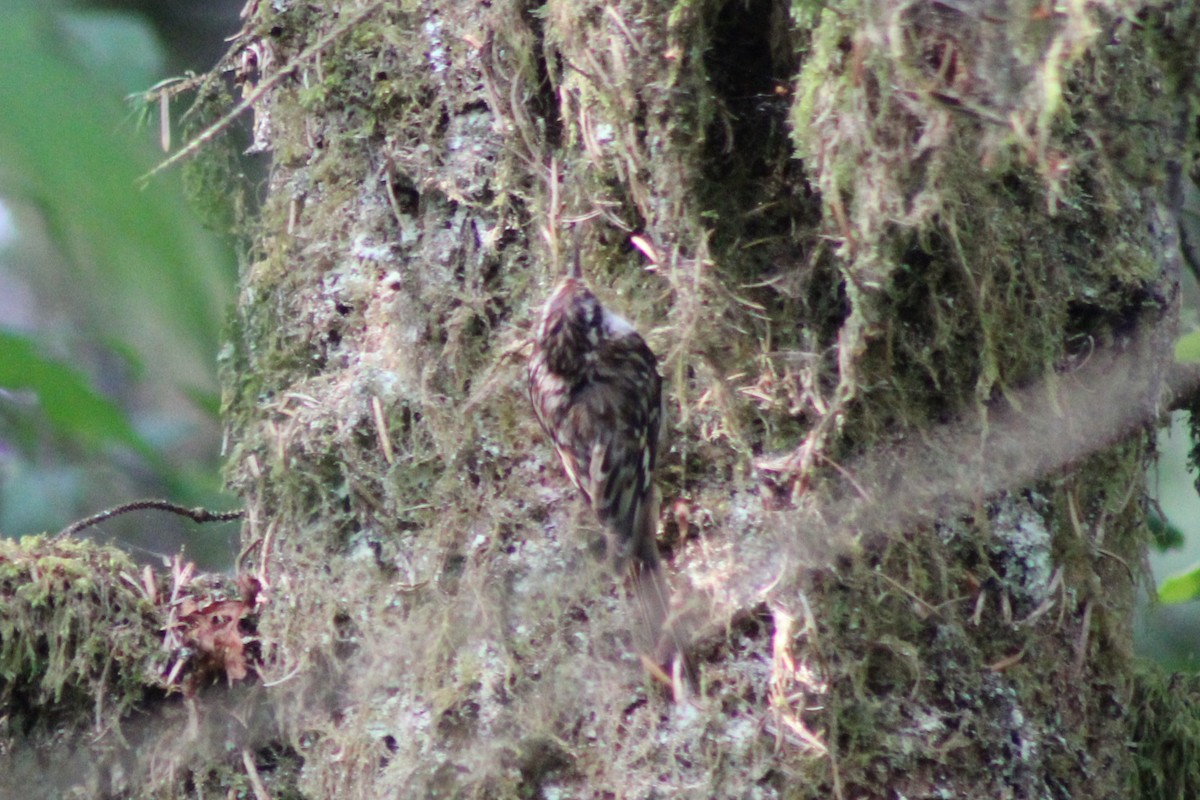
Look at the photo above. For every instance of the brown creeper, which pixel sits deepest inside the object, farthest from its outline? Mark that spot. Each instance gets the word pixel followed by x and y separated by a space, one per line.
pixel 595 389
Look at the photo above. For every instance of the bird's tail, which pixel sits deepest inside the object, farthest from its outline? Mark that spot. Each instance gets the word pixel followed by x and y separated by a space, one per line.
pixel 653 597
pixel 661 638
pixel 664 654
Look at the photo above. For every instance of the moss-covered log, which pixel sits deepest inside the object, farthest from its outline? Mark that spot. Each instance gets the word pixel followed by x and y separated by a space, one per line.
pixel 107 675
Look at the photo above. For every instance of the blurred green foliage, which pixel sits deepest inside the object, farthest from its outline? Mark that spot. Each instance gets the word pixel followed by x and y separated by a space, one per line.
pixel 71 406
pixel 1187 348
pixel 151 276
pixel 111 377
pixel 1164 534
pixel 1180 588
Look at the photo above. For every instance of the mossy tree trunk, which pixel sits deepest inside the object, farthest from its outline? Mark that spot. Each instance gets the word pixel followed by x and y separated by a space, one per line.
pixel 910 272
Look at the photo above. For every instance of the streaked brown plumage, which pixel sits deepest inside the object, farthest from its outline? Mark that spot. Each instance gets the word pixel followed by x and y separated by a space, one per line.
pixel 596 390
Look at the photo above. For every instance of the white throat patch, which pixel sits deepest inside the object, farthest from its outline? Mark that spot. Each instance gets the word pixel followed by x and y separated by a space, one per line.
pixel 616 326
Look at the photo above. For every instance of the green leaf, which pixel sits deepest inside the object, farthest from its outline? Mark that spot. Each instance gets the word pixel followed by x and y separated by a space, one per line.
pixel 64 396
pixel 1187 348
pixel 1180 588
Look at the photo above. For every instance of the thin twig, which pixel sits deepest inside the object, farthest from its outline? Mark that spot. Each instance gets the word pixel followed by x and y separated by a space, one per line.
pixel 194 514
pixel 250 99
pixel 256 782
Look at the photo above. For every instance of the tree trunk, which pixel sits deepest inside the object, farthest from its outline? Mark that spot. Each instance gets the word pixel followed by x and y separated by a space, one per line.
pixel 910 272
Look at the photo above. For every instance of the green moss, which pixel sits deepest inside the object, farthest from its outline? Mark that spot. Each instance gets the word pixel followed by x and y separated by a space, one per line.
pixel 962 176
pixel 1165 733
pixel 77 632
pixel 934 683
pixel 213 177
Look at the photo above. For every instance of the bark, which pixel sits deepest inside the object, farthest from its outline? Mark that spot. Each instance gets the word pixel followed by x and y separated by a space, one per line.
pixel 911 273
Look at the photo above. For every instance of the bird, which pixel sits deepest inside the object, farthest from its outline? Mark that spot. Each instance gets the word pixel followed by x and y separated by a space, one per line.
pixel 596 391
